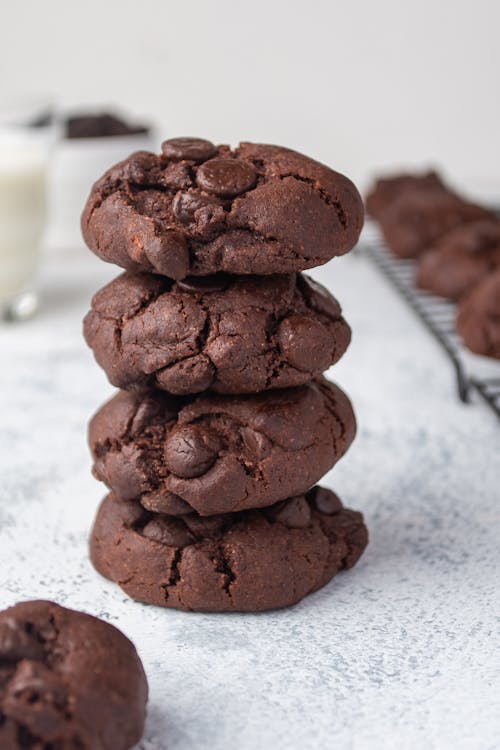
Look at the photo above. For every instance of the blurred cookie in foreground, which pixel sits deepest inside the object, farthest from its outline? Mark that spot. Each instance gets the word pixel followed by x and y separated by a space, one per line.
pixel 67 680
pixel 461 259
pixel 417 219
pixel 478 317
pixel 238 562
pixel 386 189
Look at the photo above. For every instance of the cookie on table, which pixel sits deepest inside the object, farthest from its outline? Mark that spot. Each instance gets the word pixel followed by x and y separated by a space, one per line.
pixel 243 562
pixel 197 209
pixel 478 317
pixel 219 454
pixel 230 334
pixel 386 189
pixel 460 259
pixel 67 680
pixel 417 219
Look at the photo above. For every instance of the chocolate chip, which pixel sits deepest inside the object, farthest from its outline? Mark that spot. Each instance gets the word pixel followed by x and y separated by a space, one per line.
pixel 190 451
pixel 305 343
pixel 258 444
pixel 326 501
pixel 192 149
pixel 294 513
pixel 169 531
pixel 226 177
pixel 199 284
pixel 186 203
pixel 137 167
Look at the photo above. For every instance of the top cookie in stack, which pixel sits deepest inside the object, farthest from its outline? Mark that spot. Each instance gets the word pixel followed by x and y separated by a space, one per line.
pixel 197 209
pixel 221 342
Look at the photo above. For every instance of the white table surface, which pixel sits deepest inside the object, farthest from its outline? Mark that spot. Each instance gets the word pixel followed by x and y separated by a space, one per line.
pixel 401 652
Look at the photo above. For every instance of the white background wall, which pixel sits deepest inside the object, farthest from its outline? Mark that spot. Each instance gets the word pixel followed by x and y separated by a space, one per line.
pixel 357 84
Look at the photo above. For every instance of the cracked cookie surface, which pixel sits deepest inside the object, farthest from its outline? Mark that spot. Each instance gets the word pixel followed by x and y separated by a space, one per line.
pixel 68 681
pixel 243 562
pixel 229 334
pixel 461 259
pixel 198 209
pixel 478 317
pixel 218 454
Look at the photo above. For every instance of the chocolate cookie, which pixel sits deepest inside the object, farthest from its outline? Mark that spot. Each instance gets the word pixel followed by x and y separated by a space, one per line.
pixel 218 454
pixel 460 259
pixel 241 562
pixel 417 219
pixel 68 681
pixel 197 209
pixel 232 334
pixel 478 317
pixel 387 189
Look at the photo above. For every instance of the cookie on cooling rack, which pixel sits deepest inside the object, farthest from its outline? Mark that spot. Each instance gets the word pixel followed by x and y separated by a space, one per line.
pixel 461 259
pixel 478 317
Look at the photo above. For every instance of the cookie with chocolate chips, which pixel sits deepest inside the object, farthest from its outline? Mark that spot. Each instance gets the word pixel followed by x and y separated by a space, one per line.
pixel 230 334
pixel 218 454
pixel 67 680
pixel 461 259
pixel 240 562
pixel 199 209
pixel 478 317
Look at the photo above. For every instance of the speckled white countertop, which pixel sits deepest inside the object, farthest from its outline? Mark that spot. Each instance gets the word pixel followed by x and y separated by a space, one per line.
pixel 400 653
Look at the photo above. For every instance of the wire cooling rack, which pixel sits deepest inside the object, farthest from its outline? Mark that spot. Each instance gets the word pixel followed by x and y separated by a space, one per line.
pixel 438 316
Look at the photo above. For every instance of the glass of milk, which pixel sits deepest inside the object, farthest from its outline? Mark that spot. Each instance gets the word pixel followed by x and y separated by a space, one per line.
pixel 24 151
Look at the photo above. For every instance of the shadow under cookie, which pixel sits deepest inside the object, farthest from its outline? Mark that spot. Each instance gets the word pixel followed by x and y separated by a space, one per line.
pixel 241 562
pixel 219 454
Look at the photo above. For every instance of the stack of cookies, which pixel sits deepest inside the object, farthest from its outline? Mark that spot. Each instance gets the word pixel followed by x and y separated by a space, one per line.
pixel 224 422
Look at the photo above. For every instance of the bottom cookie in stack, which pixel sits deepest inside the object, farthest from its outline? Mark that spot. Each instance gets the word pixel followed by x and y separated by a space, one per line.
pixel 248 561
